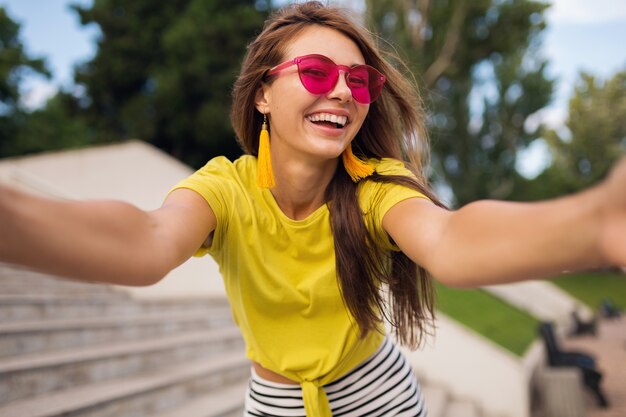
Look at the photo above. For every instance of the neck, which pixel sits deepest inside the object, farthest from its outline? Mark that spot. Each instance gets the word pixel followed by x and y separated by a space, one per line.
pixel 301 186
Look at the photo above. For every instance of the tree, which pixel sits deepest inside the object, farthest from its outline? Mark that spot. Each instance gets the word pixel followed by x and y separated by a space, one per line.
pixel 594 138
pixel 478 63
pixel 14 66
pixel 164 70
pixel 53 127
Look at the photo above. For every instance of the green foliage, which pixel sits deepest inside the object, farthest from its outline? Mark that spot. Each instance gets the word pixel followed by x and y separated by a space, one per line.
pixel 595 139
pixel 489 316
pixel 14 66
pixel 594 287
pixel 461 51
pixel 164 71
pixel 56 126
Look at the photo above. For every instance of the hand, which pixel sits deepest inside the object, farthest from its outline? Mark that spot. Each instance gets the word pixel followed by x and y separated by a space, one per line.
pixel 613 226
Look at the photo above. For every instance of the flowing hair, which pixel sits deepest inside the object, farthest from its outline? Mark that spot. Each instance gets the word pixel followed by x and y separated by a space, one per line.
pixel 393 128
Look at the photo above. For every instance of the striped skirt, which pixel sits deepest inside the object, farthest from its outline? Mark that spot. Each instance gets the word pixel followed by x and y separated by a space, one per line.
pixel 383 385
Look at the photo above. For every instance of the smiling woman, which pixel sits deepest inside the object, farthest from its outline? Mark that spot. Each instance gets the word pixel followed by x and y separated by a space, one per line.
pixel 319 80
pixel 349 211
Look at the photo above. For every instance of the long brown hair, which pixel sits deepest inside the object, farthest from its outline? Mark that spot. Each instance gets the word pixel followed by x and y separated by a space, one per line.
pixel 393 128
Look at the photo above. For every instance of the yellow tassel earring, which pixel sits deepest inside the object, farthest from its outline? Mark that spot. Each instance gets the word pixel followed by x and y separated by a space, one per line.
pixel 355 167
pixel 264 173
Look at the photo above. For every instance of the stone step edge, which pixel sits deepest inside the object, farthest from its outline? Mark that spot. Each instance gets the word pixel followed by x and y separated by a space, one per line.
pixel 19 277
pixel 211 405
pixel 14 275
pixel 121 297
pixel 91 353
pixel 66 401
pixel 109 321
pixel 25 282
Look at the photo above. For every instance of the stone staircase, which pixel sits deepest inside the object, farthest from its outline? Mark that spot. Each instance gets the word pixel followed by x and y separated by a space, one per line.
pixel 441 404
pixel 75 349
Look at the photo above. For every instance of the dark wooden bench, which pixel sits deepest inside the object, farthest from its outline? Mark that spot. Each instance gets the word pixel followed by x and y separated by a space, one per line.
pixel 609 310
pixel 585 362
pixel 583 327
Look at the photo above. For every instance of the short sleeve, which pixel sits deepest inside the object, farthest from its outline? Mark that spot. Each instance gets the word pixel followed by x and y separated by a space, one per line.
pixel 377 198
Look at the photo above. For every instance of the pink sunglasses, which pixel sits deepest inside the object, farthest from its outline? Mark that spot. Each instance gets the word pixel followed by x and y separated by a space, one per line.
pixel 319 75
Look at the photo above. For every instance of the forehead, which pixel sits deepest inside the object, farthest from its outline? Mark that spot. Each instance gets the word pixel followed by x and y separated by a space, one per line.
pixel 325 41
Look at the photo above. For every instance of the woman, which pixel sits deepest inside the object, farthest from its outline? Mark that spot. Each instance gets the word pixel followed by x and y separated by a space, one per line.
pixel 306 232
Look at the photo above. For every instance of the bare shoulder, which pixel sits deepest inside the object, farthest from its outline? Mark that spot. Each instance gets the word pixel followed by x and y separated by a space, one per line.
pixel 186 219
pixel 414 211
pixel 416 225
pixel 185 198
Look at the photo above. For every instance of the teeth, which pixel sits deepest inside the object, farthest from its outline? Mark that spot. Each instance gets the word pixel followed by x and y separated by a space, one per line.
pixel 327 117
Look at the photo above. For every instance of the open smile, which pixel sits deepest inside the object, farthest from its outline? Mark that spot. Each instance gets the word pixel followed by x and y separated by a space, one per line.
pixel 328 120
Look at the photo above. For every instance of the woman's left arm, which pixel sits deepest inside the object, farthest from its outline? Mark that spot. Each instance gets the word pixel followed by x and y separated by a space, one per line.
pixel 489 242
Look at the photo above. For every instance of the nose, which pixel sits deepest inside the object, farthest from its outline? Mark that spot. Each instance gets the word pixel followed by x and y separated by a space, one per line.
pixel 341 91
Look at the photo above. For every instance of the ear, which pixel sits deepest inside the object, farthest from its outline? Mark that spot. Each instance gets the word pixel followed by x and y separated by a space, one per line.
pixel 263 98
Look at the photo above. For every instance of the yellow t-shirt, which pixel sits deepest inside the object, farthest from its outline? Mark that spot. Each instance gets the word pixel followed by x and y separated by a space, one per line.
pixel 280 274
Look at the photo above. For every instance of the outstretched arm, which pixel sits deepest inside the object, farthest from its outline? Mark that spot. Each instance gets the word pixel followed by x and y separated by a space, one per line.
pixel 489 242
pixel 107 241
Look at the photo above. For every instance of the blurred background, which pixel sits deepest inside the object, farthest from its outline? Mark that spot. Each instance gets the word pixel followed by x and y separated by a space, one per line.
pixel 525 100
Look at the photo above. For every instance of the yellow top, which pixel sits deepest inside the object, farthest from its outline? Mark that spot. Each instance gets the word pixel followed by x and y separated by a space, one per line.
pixel 280 274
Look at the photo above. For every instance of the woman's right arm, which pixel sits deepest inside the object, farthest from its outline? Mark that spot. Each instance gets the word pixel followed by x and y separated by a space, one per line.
pixel 105 241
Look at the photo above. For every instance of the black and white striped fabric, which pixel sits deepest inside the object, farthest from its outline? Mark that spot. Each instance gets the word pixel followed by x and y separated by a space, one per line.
pixel 382 386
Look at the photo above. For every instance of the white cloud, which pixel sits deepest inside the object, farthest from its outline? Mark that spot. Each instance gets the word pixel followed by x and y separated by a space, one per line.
pixel 552 117
pixel 533 160
pixel 36 93
pixel 586 11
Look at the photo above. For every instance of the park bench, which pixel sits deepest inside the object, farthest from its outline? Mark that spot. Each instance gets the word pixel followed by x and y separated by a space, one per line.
pixel 583 326
pixel 609 310
pixel 584 362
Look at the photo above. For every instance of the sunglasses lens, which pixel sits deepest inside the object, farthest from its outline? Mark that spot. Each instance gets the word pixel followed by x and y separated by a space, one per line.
pixel 364 83
pixel 318 75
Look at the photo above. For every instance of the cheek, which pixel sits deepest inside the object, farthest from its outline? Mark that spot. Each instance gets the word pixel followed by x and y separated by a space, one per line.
pixel 289 100
pixel 286 118
pixel 361 115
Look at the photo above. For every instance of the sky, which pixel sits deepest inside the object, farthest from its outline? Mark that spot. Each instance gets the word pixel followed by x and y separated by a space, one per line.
pixel 582 35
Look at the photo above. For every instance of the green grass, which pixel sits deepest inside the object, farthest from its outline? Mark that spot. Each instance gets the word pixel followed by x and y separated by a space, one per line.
pixel 514 329
pixel 487 315
pixel 593 287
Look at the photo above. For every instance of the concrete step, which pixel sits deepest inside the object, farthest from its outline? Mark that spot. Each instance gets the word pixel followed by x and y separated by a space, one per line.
pixel 460 408
pixel 145 394
pixel 37 374
pixel 436 400
pixel 76 349
pixel 226 402
pixel 27 337
pixel 30 307
pixel 18 280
